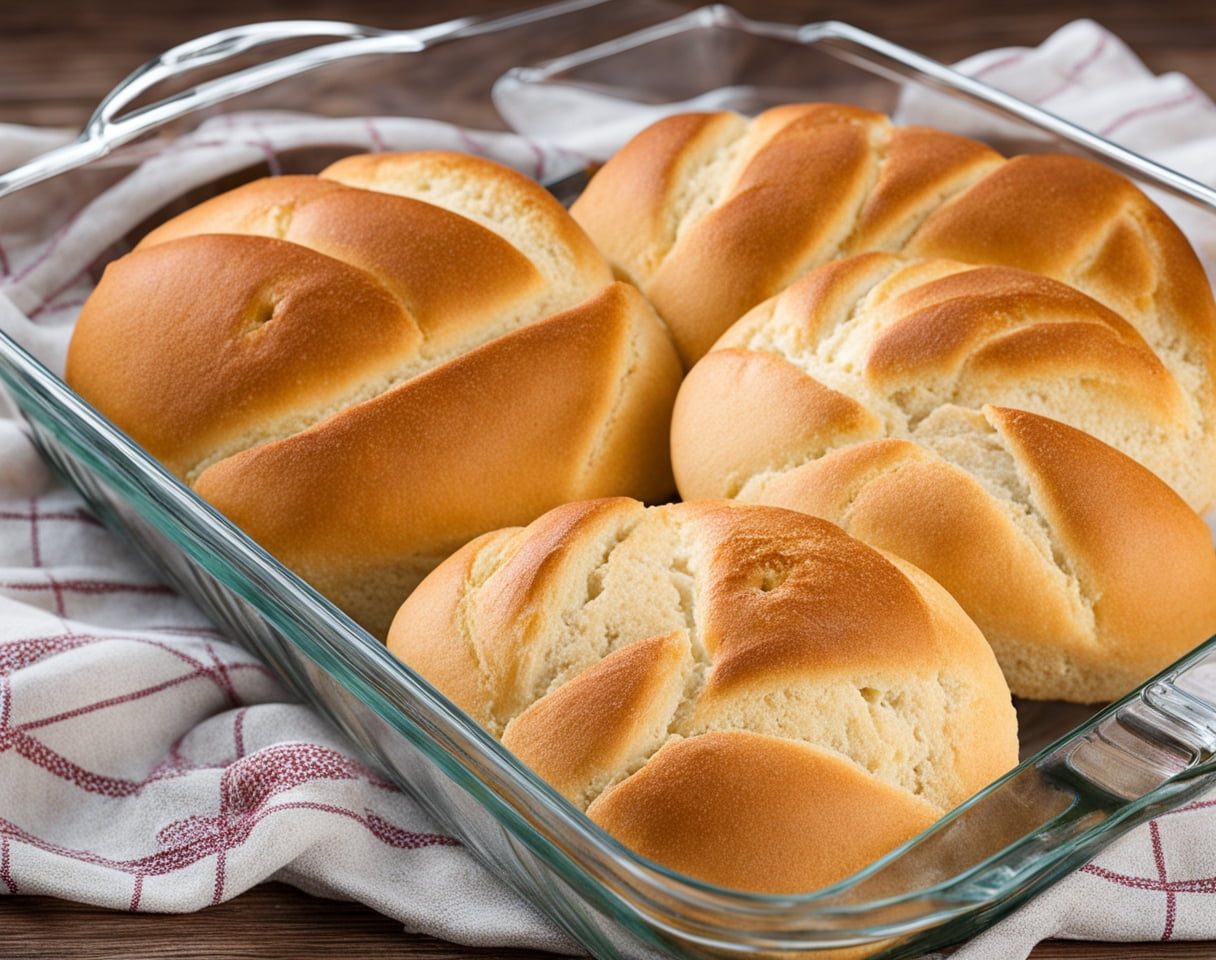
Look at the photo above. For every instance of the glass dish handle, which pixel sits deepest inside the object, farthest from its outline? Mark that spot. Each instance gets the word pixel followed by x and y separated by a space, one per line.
pixel 225 45
pixel 1167 730
pixel 110 127
pixel 1138 758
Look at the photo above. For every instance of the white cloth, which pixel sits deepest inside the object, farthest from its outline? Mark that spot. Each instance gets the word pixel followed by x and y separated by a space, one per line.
pixel 146 763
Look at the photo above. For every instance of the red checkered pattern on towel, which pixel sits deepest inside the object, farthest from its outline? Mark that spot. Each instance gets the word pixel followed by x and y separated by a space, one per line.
pixel 148 764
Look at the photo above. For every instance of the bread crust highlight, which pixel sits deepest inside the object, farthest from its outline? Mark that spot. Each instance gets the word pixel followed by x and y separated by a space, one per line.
pixel 705 678
pixel 367 368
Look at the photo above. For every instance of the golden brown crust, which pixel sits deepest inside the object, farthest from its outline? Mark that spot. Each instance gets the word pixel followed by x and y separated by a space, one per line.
pixel 1081 223
pixel 803 184
pixel 870 391
pixel 758 813
pixel 635 230
pixel 450 662
pixel 941 518
pixel 1067 583
pixel 510 620
pixel 769 413
pixel 1125 561
pixel 780 597
pixel 791 202
pixel 896 340
pixel 1017 324
pixel 503 201
pixel 610 640
pixel 193 345
pixel 409 450
pixel 620 708
pixel 367 368
pixel 919 162
pixel 261 208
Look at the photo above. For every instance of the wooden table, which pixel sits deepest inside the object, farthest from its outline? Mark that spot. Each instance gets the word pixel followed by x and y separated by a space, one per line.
pixel 57 57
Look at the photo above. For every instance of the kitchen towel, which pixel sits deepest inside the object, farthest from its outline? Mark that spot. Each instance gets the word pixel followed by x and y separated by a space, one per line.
pixel 148 763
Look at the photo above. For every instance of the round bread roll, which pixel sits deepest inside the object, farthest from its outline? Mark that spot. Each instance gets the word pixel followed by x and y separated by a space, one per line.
pixel 367 368
pixel 712 213
pixel 919 406
pixel 742 693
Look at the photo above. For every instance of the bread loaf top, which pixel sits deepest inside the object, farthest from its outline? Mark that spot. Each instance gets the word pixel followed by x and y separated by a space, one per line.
pixel 981 423
pixel 367 368
pixel 874 345
pixel 715 681
pixel 711 213
pixel 289 298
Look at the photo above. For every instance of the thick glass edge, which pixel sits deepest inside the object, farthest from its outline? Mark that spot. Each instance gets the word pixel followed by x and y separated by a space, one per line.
pixel 122 463
pixel 358 663
pixel 876 54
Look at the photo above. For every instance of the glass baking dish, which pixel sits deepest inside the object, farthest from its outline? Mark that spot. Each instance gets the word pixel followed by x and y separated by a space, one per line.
pixel 1087 777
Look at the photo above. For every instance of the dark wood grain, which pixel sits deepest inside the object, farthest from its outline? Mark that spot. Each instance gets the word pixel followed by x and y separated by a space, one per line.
pixel 277 922
pixel 270 922
pixel 58 57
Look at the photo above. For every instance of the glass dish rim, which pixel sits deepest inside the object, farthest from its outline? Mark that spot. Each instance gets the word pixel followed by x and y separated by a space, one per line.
pixel 240 564
pixel 214 543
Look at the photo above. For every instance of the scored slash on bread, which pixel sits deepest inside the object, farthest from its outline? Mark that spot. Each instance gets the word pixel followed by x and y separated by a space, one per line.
pixel 367 368
pixel 900 330
pixel 932 409
pixel 874 346
pixel 1085 572
pixel 729 689
pixel 711 214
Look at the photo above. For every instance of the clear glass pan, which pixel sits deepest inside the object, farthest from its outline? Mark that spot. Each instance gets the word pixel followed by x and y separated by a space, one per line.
pixel 1152 750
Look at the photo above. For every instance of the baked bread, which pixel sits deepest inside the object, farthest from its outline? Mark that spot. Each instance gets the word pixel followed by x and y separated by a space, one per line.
pixel 712 213
pixel 367 368
pixel 908 332
pixel 919 406
pixel 742 693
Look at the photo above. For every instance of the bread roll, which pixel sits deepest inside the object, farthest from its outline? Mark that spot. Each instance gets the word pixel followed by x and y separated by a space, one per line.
pixel 711 214
pixel 919 406
pixel 367 368
pixel 742 693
